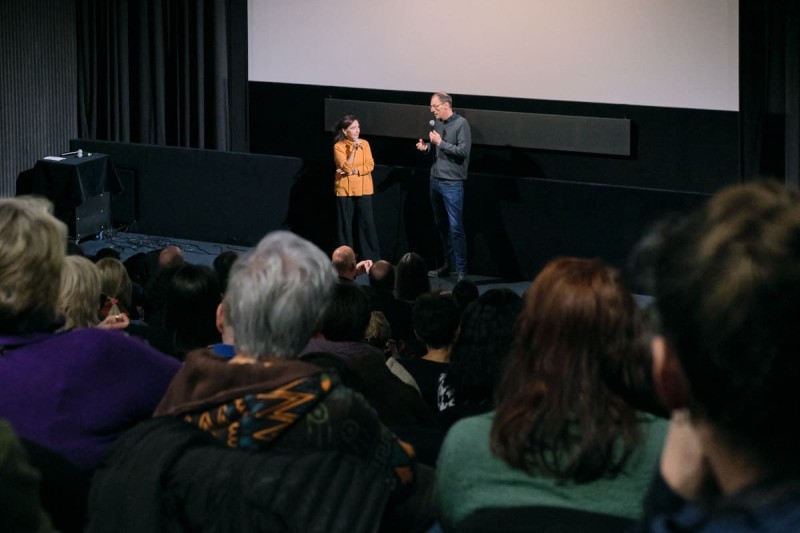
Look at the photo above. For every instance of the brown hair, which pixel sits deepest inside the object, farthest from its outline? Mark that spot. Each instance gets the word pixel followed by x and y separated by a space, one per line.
pixel 115 282
pixel 79 298
pixel 556 415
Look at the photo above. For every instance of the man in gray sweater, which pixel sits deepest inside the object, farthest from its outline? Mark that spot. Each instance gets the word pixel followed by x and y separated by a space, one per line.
pixel 450 141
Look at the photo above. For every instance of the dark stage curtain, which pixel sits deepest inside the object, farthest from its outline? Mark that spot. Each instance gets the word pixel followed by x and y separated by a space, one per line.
pixel 165 72
pixel 769 63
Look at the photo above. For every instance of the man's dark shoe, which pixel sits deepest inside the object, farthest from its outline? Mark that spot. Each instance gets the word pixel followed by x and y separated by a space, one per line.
pixel 440 272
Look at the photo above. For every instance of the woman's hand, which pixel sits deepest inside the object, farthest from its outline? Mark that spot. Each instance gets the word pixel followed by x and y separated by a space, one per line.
pixel 116 321
pixel 363 267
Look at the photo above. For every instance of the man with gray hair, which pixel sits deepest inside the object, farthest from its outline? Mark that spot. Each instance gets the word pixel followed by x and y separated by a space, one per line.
pixel 264 398
pixel 276 295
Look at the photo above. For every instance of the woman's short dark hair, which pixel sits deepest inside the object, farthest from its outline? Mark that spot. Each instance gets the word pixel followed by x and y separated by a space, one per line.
pixel 191 304
pixel 222 266
pixel 347 316
pixel 411 277
pixel 435 319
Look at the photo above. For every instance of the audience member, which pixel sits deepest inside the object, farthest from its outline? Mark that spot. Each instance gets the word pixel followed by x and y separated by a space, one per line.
pixel 727 287
pixel 411 277
pixel 436 324
pixel 170 257
pixel 382 298
pixel 162 265
pixel 379 335
pixel 319 433
pixel 222 266
pixel 116 287
pixel 344 261
pixel 559 436
pixel 362 366
pixel 478 355
pixel 102 253
pixel 138 268
pixel 79 297
pixel 190 310
pixel 635 383
pixel 465 291
pixel 378 332
pixel 73 392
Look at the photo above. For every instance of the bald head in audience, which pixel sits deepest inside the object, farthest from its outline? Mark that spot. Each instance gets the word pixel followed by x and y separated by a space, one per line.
pixel 171 256
pixel 344 261
pixel 381 276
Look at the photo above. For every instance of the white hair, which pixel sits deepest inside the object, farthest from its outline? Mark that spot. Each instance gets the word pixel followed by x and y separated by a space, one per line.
pixel 276 295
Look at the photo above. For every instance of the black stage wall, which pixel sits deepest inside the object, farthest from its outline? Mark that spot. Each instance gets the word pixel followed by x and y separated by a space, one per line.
pixel 207 195
pixel 524 206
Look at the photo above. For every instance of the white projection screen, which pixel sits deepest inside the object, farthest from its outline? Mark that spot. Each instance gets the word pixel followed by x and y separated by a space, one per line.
pixel 668 53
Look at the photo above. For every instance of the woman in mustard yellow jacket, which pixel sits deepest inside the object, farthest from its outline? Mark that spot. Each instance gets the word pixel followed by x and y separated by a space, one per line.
pixel 353 188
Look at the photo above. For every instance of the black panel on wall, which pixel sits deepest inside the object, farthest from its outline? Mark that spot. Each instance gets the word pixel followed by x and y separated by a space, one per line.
pixel 206 195
pixel 594 135
pixel 123 205
pixel 515 225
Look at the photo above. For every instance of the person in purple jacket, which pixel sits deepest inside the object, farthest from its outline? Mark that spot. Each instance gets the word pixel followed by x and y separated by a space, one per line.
pixel 72 392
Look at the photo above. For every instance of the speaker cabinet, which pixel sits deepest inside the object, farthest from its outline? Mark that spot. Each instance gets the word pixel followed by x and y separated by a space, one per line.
pixel 91 217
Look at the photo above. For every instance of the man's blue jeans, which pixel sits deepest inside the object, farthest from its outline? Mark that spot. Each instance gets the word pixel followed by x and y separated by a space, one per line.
pixel 447 200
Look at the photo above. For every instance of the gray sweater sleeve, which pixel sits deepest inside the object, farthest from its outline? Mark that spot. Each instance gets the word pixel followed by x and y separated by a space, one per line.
pixel 452 154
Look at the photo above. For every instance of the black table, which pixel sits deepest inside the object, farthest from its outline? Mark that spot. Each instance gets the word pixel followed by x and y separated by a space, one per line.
pixel 80 189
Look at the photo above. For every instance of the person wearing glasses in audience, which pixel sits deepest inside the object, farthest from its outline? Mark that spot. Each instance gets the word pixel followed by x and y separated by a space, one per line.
pixel 449 141
pixel 353 188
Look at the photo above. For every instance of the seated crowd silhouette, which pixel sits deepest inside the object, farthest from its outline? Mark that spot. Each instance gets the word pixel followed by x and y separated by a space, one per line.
pixel 275 392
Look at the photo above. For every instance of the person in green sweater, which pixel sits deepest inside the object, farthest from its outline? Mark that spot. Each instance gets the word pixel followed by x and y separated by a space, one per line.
pixel 560 435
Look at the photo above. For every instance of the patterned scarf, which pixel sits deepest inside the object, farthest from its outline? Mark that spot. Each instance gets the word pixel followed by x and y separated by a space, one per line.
pixel 254 420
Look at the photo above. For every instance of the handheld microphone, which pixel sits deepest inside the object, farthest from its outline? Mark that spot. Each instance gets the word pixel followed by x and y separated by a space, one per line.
pixel 432 123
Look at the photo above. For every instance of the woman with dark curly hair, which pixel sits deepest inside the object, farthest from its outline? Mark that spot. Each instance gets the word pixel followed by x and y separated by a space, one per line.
pixel 559 436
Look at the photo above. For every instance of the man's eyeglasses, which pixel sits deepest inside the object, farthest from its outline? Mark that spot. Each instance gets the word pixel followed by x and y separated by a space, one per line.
pixel 436 106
